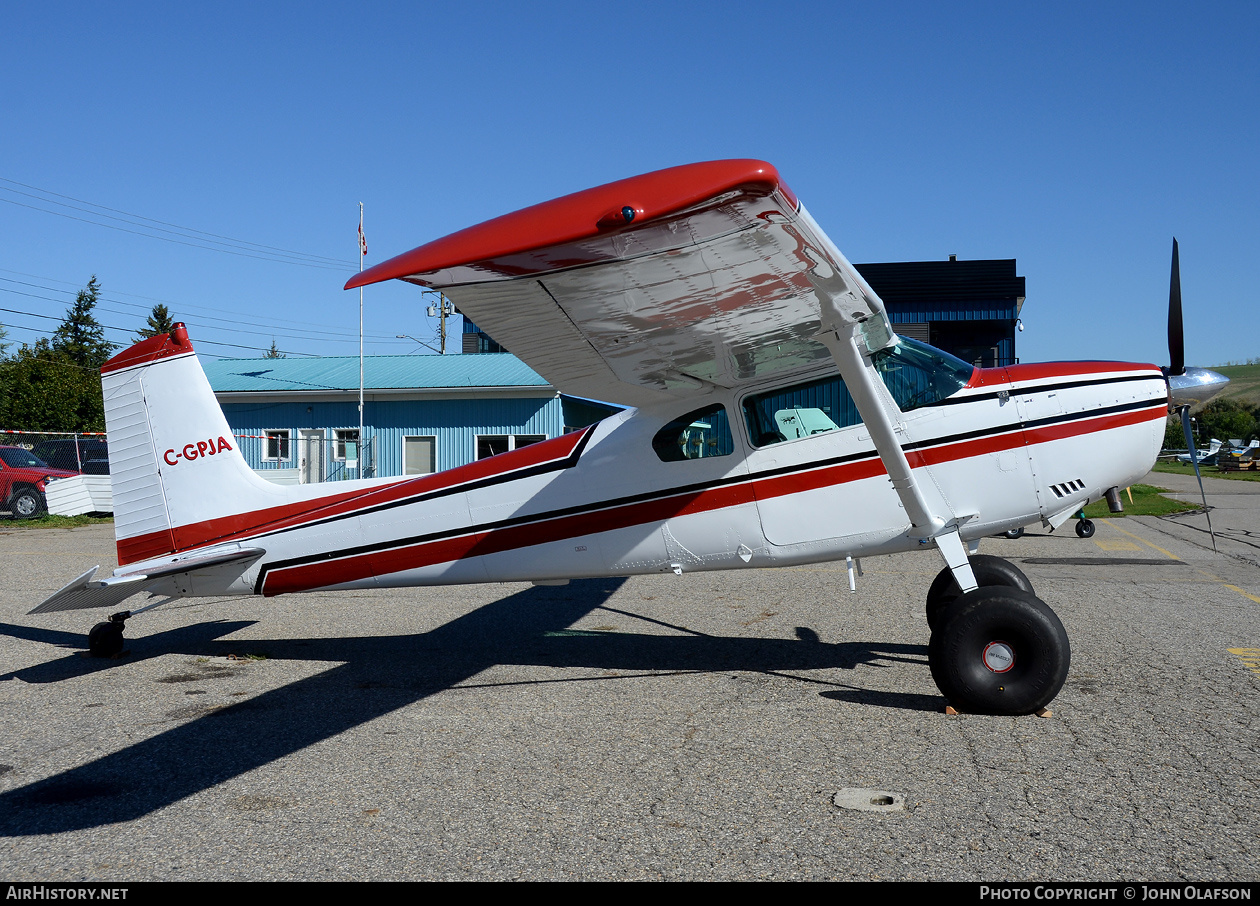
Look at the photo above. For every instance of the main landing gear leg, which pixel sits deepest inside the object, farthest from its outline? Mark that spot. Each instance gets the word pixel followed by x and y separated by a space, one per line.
pixel 106 639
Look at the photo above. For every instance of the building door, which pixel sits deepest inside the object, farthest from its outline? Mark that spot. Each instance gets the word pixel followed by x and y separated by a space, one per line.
pixel 311 454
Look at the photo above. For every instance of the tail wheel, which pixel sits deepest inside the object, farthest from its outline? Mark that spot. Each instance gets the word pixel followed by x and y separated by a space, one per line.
pixel 988 571
pixel 106 639
pixel 999 651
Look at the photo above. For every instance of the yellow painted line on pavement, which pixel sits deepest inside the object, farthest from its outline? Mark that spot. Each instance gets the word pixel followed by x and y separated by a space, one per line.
pixel 1112 524
pixel 1117 545
pixel 1249 656
pixel 1243 593
pixel 1201 572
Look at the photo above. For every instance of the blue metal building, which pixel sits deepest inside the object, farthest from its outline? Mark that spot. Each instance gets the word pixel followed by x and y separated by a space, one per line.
pixel 968 308
pixel 422 413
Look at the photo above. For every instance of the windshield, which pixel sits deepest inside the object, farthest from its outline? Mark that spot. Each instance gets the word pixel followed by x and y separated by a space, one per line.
pixel 917 374
pixel 17 458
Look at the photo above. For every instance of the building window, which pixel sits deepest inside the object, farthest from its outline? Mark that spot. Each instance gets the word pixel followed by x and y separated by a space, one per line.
pixel 419 454
pixel 494 444
pixel 345 440
pixel 276 446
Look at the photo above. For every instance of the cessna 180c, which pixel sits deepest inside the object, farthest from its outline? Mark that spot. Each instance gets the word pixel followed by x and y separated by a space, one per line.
pixel 773 418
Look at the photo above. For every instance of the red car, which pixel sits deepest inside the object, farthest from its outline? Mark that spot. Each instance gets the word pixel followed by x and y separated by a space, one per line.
pixel 23 476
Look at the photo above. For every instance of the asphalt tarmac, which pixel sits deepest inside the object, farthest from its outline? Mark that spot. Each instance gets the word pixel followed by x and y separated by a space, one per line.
pixel 702 727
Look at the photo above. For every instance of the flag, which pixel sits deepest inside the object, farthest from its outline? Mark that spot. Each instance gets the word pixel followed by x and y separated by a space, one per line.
pixel 362 240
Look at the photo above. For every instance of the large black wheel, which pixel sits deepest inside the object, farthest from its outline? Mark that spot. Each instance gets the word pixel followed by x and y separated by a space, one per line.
pixel 27 504
pixel 999 651
pixel 1084 528
pixel 988 571
pixel 105 639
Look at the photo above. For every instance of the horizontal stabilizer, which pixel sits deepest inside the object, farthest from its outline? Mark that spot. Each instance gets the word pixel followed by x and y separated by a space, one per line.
pixel 85 593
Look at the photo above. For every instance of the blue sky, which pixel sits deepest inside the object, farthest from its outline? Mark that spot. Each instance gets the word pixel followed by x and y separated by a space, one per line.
pixel 1076 138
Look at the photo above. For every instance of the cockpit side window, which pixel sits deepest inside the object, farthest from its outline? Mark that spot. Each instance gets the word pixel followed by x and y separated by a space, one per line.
pixel 801 410
pixel 919 375
pixel 915 374
pixel 699 434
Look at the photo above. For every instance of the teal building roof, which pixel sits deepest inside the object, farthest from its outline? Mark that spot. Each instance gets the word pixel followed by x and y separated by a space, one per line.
pixel 391 372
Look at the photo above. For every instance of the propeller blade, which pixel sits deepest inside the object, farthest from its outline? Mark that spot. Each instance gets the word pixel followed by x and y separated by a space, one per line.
pixel 1176 330
pixel 1184 412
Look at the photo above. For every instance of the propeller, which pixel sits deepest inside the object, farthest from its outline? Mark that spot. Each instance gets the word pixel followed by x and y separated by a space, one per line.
pixel 1187 386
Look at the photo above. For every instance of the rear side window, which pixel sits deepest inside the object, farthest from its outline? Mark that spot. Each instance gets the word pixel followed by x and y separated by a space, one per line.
pixel 801 410
pixel 697 435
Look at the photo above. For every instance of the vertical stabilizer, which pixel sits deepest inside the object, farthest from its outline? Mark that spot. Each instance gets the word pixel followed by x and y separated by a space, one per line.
pixel 175 468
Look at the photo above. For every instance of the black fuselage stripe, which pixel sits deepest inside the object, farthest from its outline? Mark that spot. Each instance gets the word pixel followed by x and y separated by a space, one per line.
pixel 489 481
pixel 682 490
pixel 1046 388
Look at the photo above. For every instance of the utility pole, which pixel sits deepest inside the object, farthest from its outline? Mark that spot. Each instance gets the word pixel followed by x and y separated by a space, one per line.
pixel 442 310
pixel 362 255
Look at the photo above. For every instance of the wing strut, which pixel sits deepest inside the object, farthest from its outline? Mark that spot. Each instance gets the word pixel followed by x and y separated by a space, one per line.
pixel 864 385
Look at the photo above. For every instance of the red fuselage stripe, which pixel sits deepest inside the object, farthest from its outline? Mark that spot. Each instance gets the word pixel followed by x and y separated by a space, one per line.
pixel 362 566
pixel 248 524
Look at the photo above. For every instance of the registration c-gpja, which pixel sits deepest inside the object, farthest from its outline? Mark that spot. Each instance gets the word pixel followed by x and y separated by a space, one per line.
pixel 196 451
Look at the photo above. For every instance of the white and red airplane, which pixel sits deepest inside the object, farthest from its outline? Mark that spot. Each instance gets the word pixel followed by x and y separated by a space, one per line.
pixel 774 419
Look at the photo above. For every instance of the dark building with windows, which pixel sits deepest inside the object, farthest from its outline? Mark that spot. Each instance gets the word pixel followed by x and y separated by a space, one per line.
pixel 967 308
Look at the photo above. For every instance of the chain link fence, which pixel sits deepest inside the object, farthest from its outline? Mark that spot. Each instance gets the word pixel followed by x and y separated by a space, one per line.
pixel 86 453
pixel 32 462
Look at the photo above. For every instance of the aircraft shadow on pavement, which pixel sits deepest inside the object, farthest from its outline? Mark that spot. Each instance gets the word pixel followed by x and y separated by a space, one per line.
pixel 375 676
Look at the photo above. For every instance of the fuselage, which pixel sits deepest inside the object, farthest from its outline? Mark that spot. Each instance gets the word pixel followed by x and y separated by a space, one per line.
pixel 703 486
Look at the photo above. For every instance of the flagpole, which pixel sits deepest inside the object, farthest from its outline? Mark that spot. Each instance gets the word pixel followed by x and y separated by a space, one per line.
pixel 362 253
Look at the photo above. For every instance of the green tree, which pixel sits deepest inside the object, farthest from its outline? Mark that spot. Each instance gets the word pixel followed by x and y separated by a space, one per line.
pixel 43 389
pixel 273 352
pixel 80 337
pixel 160 321
pixel 1174 434
pixel 1227 418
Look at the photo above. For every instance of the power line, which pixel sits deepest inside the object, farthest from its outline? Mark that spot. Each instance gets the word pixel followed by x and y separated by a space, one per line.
pixel 107 304
pixel 243 242
pixel 188 236
pixel 29 314
pixel 277 324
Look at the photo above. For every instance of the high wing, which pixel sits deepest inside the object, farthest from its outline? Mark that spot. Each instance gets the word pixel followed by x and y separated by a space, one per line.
pixel 709 274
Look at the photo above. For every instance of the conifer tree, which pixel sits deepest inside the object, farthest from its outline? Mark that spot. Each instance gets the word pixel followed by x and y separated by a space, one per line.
pixel 80 338
pixel 160 321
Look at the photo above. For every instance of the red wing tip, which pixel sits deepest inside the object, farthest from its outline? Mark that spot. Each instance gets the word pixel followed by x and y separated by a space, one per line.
pixel 582 215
